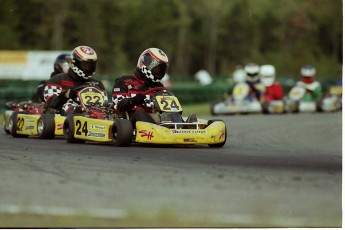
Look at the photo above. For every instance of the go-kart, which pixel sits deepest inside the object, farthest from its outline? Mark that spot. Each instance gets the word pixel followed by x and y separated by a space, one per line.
pixel 46 123
pixel 99 123
pixel 273 107
pixel 32 119
pixel 15 107
pixel 240 102
pixel 172 128
pixel 295 103
pixel 332 101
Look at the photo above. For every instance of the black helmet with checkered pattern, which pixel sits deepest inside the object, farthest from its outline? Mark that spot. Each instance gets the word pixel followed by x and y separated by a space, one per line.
pixel 84 60
pixel 153 63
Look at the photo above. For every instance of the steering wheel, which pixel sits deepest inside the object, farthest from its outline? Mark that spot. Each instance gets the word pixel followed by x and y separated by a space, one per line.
pixel 153 89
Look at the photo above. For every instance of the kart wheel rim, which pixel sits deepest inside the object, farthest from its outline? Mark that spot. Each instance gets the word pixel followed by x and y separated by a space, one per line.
pixel 40 127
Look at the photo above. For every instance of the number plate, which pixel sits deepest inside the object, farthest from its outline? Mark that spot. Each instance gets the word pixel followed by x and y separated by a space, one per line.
pixel 91 95
pixel 168 104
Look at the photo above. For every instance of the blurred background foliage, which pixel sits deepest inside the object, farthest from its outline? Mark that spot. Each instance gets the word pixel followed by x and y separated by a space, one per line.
pixel 214 35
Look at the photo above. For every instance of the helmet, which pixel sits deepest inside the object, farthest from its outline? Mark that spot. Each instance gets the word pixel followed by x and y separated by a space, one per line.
pixel 239 75
pixel 84 60
pixel 252 71
pixel 267 74
pixel 308 74
pixel 62 63
pixel 153 63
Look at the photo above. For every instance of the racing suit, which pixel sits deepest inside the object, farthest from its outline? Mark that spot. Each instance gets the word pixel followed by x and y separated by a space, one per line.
pixel 313 91
pixel 256 90
pixel 39 97
pixel 124 93
pixel 273 92
pixel 56 88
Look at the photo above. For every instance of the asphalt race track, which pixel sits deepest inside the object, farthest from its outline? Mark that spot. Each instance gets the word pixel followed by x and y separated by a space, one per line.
pixel 275 170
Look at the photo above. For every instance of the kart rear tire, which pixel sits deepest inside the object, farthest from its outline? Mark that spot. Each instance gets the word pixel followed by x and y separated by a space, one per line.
pixel 47 124
pixel 68 130
pixel 122 133
pixel 219 145
pixel 13 126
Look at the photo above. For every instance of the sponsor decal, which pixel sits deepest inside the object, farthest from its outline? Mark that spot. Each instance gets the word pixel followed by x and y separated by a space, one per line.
pixel 97 135
pixel 222 134
pixel 29 120
pixel 116 89
pixel 144 133
pixel 101 127
pixel 59 126
pixel 189 140
pixel 188 131
pixel 29 127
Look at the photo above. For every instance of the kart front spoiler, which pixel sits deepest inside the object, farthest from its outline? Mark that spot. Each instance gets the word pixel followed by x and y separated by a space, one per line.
pixel 157 134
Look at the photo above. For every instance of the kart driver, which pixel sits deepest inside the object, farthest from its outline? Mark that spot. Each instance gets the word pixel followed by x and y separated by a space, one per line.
pixel 60 91
pixel 61 65
pixel 128 90
pixel 273 89
pixel 313 88
pixel 253 80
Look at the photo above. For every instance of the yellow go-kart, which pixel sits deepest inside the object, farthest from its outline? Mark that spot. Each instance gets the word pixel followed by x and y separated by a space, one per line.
pixel 46 123
pixel 172 128
pixel 32 119
pixel 99 122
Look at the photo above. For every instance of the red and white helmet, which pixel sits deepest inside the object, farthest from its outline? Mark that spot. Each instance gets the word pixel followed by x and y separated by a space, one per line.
pixel 308 73
pixel 84 60
pixel 153 63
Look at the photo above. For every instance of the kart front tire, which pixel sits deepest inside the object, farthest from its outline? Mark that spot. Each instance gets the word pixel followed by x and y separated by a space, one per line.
pixel 13 126
pixel 46 126
pixel 218 145
pixel 122 133
pixel 6 130
pixel 68 130
pixel 213 113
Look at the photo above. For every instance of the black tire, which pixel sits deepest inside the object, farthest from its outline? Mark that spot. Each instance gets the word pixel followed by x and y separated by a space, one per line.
pixel 219 145
pixel 46 126
pixel 212 108
pixel 6 130
pixel 68 130
pixel 122 133
pixel 13 126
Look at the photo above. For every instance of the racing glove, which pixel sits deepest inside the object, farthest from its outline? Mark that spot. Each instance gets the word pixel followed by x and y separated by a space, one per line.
pixel 138 99
pixel 128 103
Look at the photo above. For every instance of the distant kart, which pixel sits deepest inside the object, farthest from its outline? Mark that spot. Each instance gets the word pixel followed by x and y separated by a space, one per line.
pixel 273 107
pixel 332 101
pixel 172 128
pixel 295 103
pixel 238 103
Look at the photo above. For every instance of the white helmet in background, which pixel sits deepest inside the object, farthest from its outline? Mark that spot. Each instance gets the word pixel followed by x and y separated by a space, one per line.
pixel 267 75
pixel 239 75
pixel 252 72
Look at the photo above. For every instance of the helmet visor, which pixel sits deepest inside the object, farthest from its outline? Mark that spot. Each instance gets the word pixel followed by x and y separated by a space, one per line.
pixel 88 67
pixel 160 70
pixel 308 80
